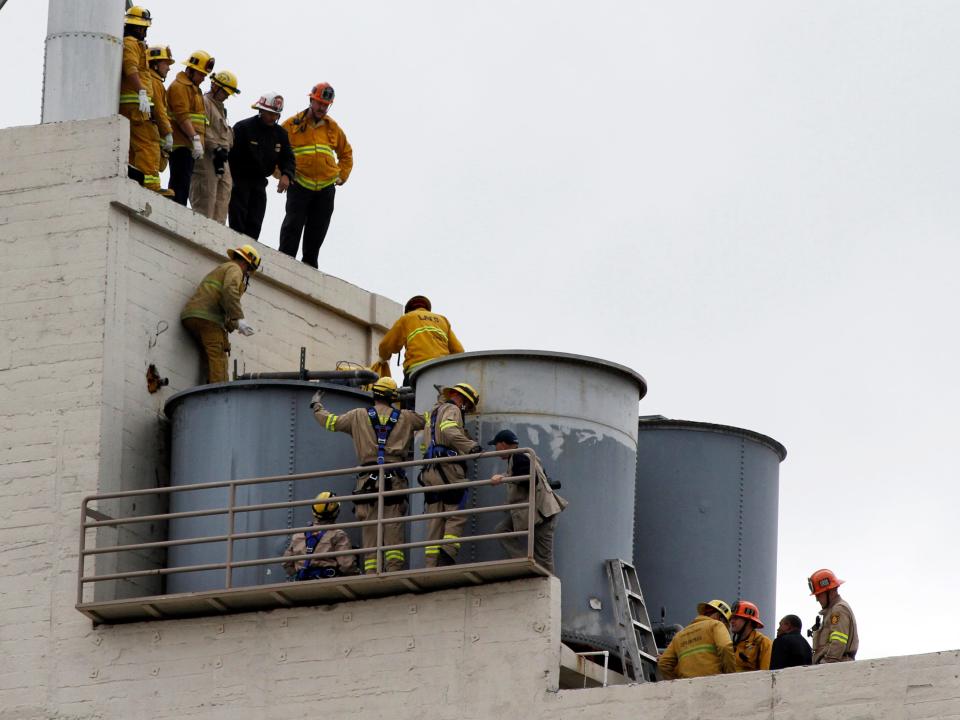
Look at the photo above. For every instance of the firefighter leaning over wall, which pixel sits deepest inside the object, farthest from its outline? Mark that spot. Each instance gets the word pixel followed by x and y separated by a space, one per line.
pixel 381 434
pixel 214 310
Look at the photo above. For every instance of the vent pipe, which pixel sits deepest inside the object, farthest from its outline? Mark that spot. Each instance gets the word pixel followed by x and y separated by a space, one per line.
pixel 81 74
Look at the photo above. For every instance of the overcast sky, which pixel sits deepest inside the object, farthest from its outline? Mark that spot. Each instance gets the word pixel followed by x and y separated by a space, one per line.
pixel 753 204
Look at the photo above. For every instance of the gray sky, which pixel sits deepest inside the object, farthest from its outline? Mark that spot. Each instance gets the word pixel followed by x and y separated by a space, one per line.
pixel 753 204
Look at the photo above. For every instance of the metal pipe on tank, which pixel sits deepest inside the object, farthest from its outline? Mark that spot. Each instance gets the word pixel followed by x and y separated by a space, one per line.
pixel 362 376
pixel 579 414
pixel 84 45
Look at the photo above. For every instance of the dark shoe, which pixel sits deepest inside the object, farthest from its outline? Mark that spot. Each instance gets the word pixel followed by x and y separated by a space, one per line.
pixel 444 560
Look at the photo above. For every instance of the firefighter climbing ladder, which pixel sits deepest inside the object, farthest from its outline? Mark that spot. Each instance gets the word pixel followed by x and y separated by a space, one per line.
pixel 637 644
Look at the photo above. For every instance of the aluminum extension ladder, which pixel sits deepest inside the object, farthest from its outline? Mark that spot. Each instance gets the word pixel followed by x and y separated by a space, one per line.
pixel 638 648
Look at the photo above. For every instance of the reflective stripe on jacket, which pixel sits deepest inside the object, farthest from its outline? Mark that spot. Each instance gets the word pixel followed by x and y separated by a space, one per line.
pixel 134 62
pixel 702 648
pixel 836 640
pixel 322 152
pixel 217 299
pixel 752 652
pixel 425 335
pixel 356 424
pixel 450 433
pixel 185 102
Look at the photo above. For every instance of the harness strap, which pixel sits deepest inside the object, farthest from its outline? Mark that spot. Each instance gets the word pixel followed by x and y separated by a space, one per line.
pixel 312 540
pixel 382 430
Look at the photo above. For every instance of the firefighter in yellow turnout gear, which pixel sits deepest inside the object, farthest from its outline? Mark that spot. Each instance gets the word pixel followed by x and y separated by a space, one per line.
pixel 160 59
pixel 189 119
pixel 214 310
pixel 135 100
pixel 703 647
pixel 316 542
pixel 447 437
pixel 381 434
pixel 751 648
pixel 425 335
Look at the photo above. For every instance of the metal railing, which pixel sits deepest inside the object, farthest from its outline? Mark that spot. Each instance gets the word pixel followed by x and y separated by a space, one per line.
pixel 92 518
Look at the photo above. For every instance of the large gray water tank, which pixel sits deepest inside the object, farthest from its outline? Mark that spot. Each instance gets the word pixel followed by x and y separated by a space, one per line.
pixel 706 516
pixel 579 415
pixel 249 429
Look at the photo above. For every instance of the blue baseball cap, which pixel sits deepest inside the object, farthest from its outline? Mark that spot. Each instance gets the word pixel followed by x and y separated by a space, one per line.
pixel 506 436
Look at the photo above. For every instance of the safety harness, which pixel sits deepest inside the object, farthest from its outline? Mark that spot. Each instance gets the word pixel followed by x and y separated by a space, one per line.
pixel 436 450
pixel 309 572
pixel 370 482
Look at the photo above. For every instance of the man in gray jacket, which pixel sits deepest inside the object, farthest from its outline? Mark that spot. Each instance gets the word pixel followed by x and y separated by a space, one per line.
pixel 547 503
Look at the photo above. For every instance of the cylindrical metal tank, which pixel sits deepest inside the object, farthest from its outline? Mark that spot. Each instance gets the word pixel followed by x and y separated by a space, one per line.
pixel 248 429
pixel 579 415
pixel 706 516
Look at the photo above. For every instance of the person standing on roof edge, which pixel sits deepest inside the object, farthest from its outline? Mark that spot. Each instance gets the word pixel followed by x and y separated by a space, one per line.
pixel 425 335
pixel 160 58
pixel 143 162
pixel 789 647
pixel 316 542
pixel 703 647
pixel 260 146
pixel 447 438
pixel 751 648
pixel 189 122
pixel 324 161
pixel 211 183
pixel 214 310
pixel 381 434
pixel 835 637
pixel 549 505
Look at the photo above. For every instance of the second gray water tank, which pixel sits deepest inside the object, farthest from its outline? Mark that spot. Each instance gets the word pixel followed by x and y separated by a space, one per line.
pixel 579 415
pixel 249 429
pixel 706 516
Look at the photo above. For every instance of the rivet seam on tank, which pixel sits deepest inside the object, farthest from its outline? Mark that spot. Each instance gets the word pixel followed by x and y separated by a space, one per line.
pixel 293 455
pixel 740 527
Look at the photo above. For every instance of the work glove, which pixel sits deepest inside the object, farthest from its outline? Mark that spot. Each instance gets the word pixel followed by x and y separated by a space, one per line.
pixel 168 142
pixel 197 148
pixel 143 101
pixel 244 328
pixel 317 399
pixel 476 449
pixel 220 156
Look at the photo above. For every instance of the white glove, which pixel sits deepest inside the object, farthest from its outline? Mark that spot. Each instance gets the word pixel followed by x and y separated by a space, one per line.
pixel 168 142
pixel 144 102
pixel 197 148
pixel 317 399
pixel 244 328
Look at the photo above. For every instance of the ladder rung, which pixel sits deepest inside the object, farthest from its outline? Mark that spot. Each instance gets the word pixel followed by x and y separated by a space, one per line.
pixel 635 595
pixel 638 624
pixel 648 657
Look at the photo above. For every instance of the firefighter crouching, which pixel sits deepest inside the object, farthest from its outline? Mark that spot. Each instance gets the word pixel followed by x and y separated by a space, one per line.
pixel 835 636
pixel 214 310
pixel 318 541
pixel 381 434
pixel 447 438
pixel 703 647
pixel 751 648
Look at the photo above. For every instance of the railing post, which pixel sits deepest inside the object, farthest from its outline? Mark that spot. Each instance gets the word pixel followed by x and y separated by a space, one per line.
pixel 83 547
pixel 532 500
pixel 230 505
pixel 380 483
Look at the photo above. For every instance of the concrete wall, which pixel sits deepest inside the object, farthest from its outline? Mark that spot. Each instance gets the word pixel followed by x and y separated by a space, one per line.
pixel 93 265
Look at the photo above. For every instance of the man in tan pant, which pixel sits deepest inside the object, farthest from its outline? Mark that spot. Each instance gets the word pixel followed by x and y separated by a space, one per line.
pixel 381 434
pixel 211 184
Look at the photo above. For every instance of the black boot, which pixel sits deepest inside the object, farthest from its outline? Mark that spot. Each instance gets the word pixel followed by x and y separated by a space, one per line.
pixel 445 559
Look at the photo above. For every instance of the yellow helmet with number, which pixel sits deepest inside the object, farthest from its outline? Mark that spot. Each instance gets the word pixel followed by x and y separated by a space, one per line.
pixel 324 507
pixel 201 61
pixel 137 16
pixel 227 80
pixel 248 253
